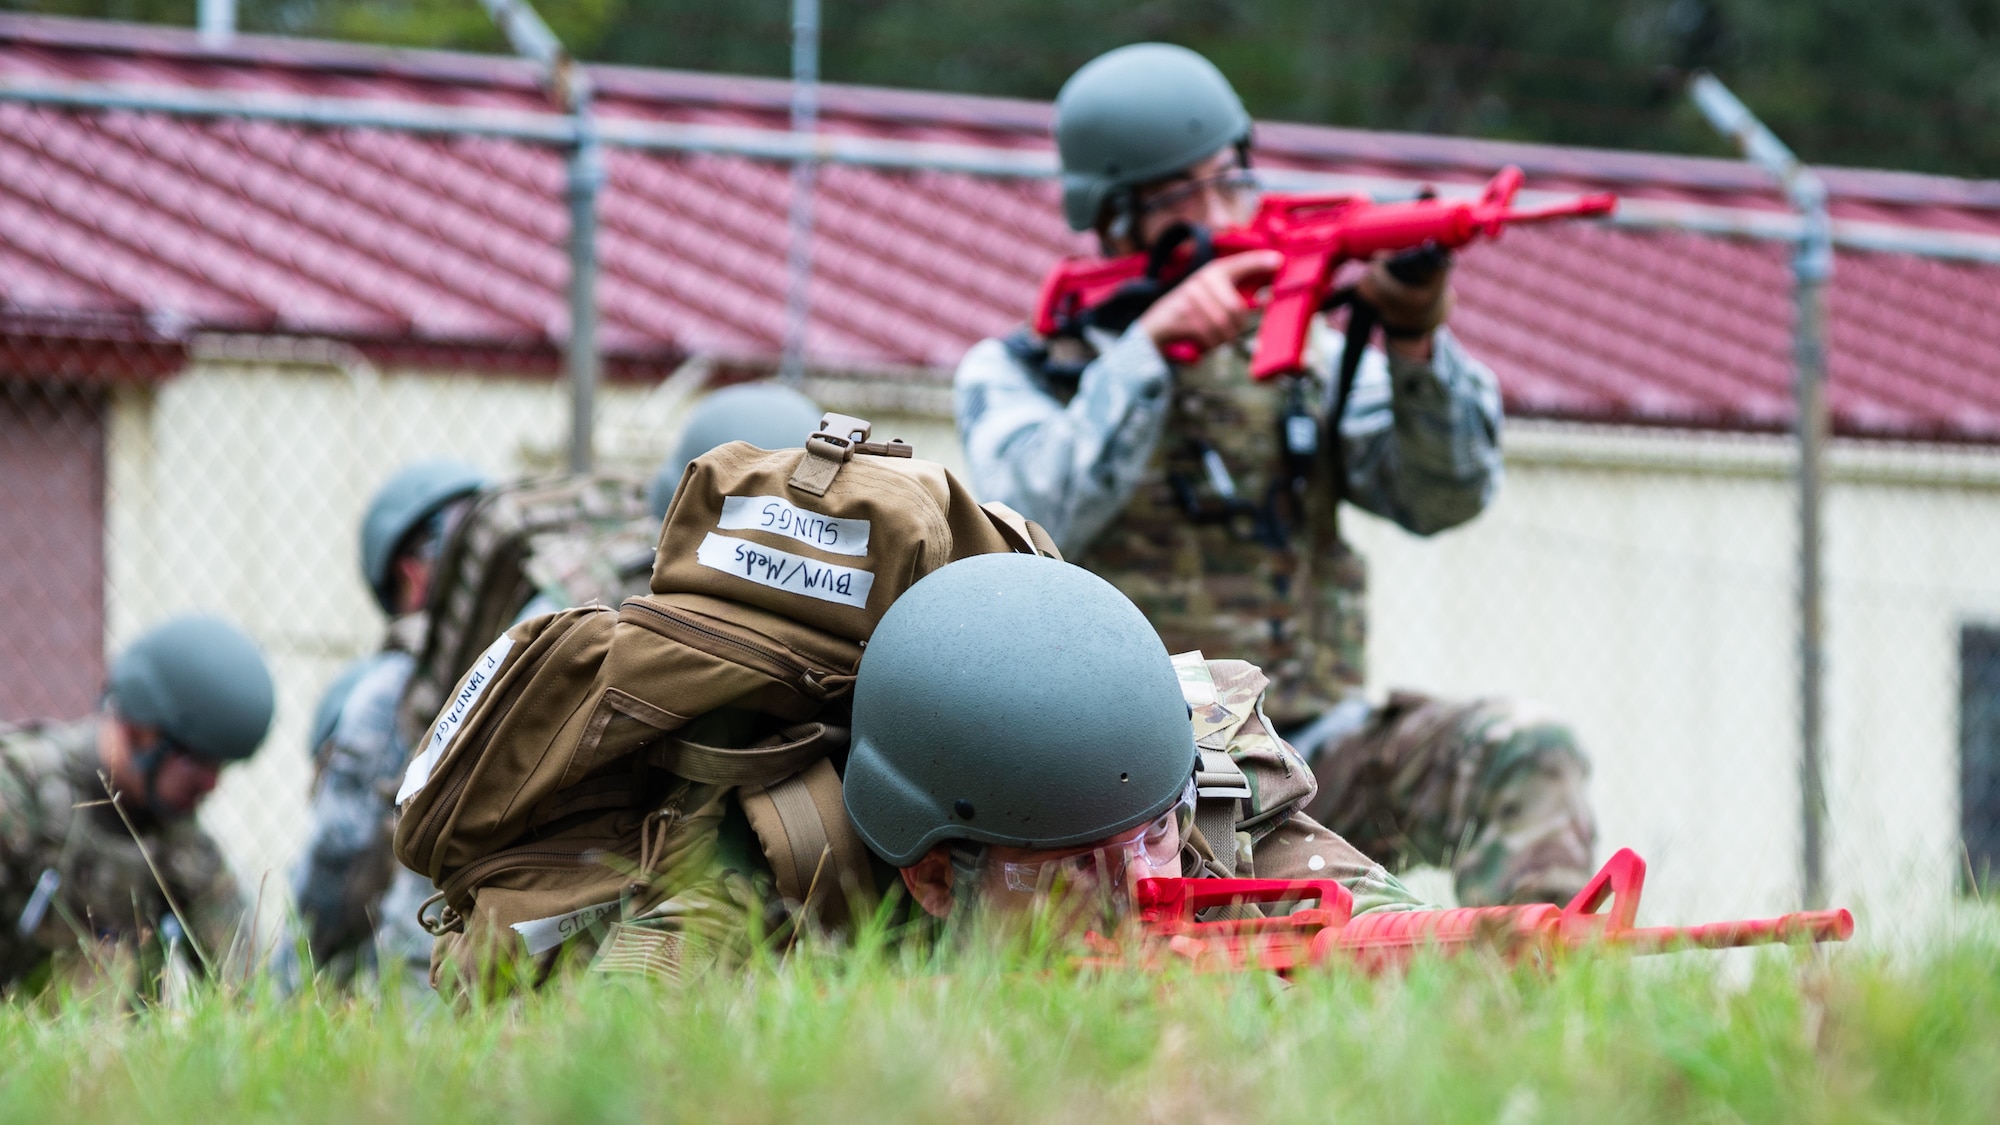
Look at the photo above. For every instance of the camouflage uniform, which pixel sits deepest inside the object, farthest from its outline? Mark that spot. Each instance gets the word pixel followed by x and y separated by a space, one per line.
pixel 347 863
pixel 72 879
pixel 1171 484
pixel 1276 838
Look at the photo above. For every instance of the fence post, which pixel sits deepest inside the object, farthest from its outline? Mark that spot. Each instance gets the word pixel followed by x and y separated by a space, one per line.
pixel 584 178
pixel 805 122
pixel 1812 267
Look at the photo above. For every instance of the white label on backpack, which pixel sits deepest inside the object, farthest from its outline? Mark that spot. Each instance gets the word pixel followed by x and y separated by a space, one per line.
pixel 544 934
pixel 782 570
pixel 782 517
pixel 483 671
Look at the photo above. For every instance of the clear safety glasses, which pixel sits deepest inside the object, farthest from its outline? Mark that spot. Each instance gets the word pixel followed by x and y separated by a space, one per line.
pixel 1105 866
pixel 1239 189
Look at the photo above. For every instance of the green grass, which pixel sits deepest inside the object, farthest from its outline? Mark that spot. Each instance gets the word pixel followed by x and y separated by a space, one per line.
pixel 887 1036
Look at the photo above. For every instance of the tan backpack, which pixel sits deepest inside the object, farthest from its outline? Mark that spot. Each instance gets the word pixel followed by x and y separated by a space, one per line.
pixel 586 748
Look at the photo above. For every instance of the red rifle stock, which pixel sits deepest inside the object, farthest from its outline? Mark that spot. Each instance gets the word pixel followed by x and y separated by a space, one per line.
pixel 1167 909
pixel 1315 233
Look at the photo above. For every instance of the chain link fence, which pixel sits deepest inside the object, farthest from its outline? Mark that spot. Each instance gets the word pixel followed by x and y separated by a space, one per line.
pixel 1639 583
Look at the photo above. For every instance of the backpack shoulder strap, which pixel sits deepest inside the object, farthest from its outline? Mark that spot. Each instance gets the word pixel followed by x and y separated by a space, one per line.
pixel 1021 533
pixel 816 856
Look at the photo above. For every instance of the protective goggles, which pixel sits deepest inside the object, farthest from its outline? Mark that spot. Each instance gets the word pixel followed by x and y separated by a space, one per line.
pixel 1105 865
pixel 1239 189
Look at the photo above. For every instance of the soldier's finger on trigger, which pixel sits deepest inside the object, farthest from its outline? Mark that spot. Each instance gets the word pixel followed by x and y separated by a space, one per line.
pixel 1249 266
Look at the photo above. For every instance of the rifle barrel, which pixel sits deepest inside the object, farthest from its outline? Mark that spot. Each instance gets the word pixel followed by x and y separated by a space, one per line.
pixel 1811 925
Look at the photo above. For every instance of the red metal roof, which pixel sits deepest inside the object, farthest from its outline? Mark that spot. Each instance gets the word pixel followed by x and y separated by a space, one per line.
pixel 123 230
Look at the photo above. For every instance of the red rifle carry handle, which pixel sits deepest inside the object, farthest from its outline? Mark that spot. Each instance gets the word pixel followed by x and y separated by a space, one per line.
pixel 1620 882
pixel 1167 900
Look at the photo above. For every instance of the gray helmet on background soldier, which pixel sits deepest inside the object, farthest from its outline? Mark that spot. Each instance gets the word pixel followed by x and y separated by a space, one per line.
pixel 1136 115
pixel 201 683
pixel 767 415
pixel 414 494
pixel 1013 700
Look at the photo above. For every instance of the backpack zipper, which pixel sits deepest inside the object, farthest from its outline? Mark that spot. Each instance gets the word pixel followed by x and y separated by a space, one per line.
pixel 777 666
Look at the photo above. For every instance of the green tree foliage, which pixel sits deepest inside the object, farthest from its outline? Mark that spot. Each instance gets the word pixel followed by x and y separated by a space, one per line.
pixel 1911 85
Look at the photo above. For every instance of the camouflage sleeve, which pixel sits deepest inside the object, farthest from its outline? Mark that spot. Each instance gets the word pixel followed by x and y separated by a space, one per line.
pixel 1423 438
pixel 1299 847
pixel 23 858
pixel 1069 468
pixel 342 870
pixel 205 890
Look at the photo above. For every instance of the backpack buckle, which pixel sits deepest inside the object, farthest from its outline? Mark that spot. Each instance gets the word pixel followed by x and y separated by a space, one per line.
pixel 830 447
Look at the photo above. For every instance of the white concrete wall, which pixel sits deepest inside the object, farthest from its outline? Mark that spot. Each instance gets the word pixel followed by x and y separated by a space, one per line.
pixel 1639 584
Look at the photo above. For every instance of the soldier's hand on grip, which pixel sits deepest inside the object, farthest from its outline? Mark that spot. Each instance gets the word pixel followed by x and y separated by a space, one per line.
pixel 1208 308
pixel 1409 309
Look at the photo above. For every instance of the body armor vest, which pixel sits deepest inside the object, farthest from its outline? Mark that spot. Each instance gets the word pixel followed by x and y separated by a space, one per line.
pixel 1232 543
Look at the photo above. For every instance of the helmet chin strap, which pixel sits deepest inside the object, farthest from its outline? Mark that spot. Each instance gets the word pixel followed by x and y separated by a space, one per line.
pixel 966 860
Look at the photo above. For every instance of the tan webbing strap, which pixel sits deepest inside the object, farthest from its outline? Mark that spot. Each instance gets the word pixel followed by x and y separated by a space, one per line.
pixel 827 450
pixel 1021 533
pixel 810 850
pixel 1220 789
pixel 806 835
pixel 749 765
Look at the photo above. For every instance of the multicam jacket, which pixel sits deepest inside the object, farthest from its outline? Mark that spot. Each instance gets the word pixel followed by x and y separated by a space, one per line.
pixel 1274 838
pixel 71 876
pixel 1173 483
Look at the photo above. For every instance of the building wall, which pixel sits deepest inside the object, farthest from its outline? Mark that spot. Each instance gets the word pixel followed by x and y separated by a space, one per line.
pixel 51 559
pixel 1637 584
pixel 1641 586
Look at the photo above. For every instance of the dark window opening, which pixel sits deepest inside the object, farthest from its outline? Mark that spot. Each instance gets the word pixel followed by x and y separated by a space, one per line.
pixel 1979 755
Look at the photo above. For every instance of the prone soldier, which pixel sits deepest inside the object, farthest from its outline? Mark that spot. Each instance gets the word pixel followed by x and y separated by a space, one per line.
pixel 103 868
pixel 1212 503
pixel 1020 730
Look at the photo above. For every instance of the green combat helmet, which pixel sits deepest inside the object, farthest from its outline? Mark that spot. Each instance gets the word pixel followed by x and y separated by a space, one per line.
pixel 1015 700
pixel 1138 114
pixel 766 415
pixel 403 502
pixel 200 682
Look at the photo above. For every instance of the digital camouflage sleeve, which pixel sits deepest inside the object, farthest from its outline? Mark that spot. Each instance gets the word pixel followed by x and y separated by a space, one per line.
pixel 1423 438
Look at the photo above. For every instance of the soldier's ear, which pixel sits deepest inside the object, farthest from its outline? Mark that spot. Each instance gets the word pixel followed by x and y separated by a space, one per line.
pixel 929 881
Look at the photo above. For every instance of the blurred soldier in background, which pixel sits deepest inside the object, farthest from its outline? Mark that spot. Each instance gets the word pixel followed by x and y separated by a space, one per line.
pixel 1097 779
pixel 119 896
pixel 357 757
pixel 1212 501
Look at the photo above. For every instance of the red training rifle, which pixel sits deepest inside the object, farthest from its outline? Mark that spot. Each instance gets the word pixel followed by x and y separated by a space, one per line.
pixel 1319 934
pixel 1316 234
